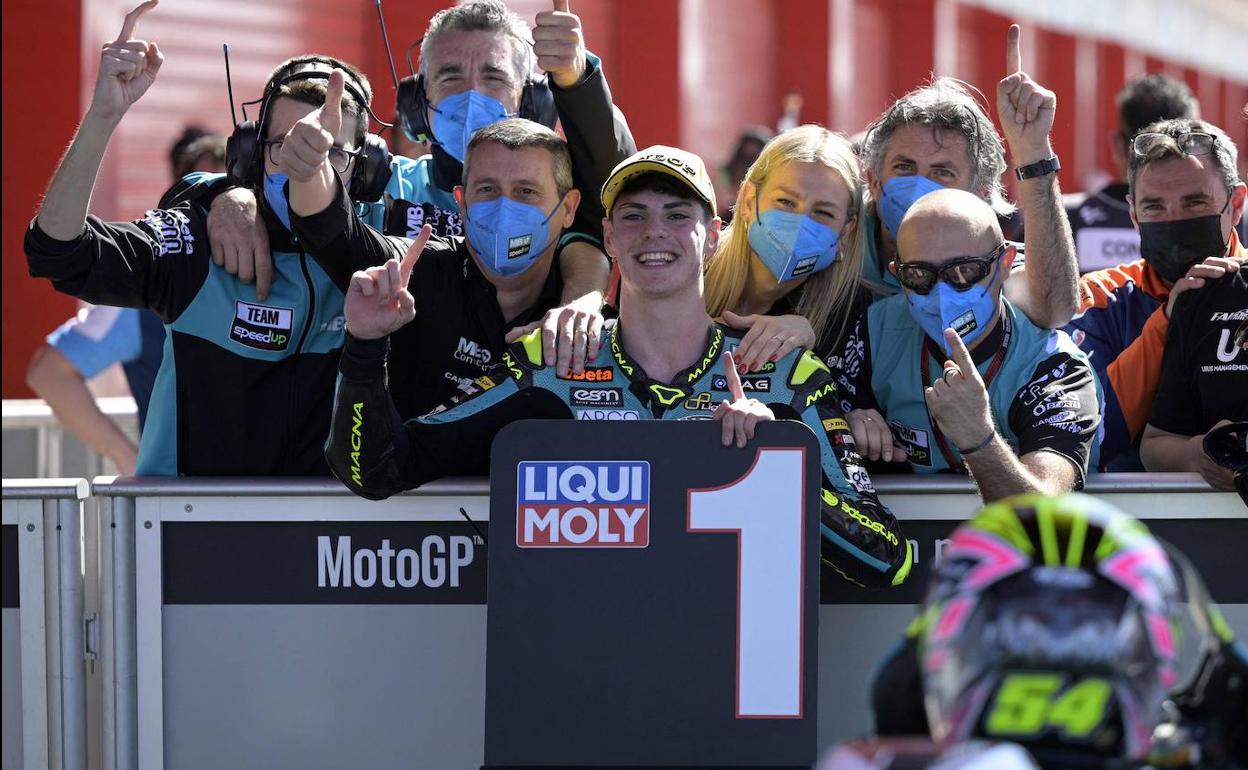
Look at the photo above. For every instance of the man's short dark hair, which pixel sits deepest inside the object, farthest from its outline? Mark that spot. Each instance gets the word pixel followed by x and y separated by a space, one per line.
pixel 1151 99
pixel 658 182
pixel 312 90
pixel 519 134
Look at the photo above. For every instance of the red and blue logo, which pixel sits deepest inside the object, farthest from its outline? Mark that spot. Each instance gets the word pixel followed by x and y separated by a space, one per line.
pixel 576 504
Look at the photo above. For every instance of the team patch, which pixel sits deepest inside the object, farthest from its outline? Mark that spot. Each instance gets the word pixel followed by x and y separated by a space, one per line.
pixel 804 266
pixel 263 327
pixel 749 383
pixel 583 504
pixel 604 397
pixel 964 324
pixel 607 414
pixel 591 374
pixel 914 441
pixel 519 246
pixel 834 424
pixel 173 230
pixel 471 352
pixel 700 402
pixel 408 219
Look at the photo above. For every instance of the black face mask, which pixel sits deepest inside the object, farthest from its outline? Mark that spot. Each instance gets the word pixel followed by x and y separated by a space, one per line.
pixel 1173 247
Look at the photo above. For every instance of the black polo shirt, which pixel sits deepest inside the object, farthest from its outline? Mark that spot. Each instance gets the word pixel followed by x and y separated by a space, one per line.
pixel 1204 373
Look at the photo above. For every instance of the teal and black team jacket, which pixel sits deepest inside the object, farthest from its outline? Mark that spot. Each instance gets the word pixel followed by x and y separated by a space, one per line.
pixel 376 454
pixel 246 386
pixel 1042 391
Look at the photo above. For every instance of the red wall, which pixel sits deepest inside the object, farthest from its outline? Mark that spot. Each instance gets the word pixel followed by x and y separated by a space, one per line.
pixel 689 72
pixel 41 95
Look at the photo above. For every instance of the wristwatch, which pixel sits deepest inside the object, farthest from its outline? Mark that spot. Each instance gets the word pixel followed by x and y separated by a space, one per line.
pixel 1039 168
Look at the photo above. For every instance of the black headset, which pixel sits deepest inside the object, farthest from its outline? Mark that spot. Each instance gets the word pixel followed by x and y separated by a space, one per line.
pixel 537 103
pixel 244 151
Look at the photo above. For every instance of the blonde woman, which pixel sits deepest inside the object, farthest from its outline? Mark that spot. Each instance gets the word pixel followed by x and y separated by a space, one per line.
pixel 787 269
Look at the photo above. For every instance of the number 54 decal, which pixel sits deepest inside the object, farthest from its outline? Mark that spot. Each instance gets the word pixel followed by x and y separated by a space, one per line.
pixel 1027 704
pixel 765 509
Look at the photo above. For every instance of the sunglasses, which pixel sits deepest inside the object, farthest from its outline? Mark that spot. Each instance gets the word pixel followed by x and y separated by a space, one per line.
pixel 961 273
pixel 1190 143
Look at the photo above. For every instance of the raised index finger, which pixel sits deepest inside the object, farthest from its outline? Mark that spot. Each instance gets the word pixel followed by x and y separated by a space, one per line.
pixel 735 392
pixel 413 253
pixel 132 20
pixel 1013 56
pixel 562 6
pixel 961 356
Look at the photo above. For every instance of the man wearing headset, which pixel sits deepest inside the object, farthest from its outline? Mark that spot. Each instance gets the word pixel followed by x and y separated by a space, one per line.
pixel 475 70
pixel 246 384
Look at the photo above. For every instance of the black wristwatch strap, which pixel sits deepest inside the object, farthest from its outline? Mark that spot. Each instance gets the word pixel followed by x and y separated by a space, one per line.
pixel 1039 168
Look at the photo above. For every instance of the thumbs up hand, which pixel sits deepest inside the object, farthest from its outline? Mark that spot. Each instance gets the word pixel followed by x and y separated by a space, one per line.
pixel 305 149
pixel 1025 107
pixel 559 44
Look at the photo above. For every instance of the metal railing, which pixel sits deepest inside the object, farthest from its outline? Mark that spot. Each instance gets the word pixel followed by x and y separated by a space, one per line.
pixel 34 414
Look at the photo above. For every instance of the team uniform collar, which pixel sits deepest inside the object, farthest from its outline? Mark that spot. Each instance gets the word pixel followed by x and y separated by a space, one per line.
pixel 667 394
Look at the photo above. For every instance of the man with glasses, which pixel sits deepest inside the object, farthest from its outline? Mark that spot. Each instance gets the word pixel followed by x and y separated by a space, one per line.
pixel 476 68
pixel 246 385
pixel 951 376
pixel 940 136
pixel 1185 199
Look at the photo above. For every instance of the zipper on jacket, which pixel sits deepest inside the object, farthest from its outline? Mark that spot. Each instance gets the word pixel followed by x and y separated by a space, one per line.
pixel 307 279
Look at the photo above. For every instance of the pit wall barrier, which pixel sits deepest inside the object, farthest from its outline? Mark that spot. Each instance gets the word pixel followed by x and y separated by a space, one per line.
pixel 44 653
pixel 275 623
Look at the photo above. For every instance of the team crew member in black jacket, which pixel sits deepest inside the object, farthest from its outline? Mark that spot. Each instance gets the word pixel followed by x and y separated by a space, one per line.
pixel 665 359
pixel 467 291
pixel 245 385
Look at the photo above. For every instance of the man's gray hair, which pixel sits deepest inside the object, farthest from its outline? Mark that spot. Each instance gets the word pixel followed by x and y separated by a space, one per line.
pixel 1224 153
pixel 488 15
pixel 951 105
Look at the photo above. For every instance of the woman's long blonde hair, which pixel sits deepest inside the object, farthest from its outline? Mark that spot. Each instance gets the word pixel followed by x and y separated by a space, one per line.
pixel 826 297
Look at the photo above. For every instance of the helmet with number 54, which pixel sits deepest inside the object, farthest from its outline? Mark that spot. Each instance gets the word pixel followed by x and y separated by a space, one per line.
pixel 1052 623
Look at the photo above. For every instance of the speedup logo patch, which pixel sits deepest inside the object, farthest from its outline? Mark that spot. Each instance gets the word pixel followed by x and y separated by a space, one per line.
pixel 261 326
pixel 583 504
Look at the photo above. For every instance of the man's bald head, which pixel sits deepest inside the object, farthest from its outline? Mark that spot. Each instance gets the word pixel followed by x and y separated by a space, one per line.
pixel 945 224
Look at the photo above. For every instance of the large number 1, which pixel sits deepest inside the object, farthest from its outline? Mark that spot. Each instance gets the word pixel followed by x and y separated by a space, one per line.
pixel 766 509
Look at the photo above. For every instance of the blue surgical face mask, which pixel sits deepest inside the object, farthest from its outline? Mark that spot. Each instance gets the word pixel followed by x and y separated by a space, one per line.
pixel 459 116
pixel 275 194
pixel 899 194
pixel 508 236
pixel 944 307
pixel 792 245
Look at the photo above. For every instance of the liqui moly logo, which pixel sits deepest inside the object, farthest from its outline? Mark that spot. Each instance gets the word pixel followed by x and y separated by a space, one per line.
pixel 583 504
